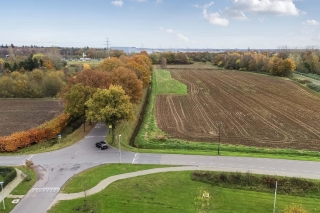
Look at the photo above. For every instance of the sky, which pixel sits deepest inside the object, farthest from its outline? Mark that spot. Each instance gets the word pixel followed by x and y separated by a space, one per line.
pixel 217 24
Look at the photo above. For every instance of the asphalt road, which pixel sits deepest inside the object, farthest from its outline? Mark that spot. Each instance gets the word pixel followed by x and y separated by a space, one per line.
pixel 55 168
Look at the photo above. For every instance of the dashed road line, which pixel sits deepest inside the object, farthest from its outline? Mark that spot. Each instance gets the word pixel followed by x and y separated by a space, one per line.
pixel 46 189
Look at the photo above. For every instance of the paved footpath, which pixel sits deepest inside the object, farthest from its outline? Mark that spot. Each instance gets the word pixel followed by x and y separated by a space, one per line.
pixel 55 168
pixel 104 183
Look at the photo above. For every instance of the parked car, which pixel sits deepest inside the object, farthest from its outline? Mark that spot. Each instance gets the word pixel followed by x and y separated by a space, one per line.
pixel 102 145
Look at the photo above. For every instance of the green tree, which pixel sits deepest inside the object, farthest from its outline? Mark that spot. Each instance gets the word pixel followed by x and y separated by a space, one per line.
pixel 76 98
pixel 52 84
pixel 110 106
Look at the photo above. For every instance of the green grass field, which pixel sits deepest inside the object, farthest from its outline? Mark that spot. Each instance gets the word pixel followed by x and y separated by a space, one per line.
pixel 91 177
pixel 165 84
pixel 175 192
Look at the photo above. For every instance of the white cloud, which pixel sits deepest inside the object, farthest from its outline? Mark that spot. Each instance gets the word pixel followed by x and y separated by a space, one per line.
pixel 276 7
pixel 306 31
pixel 182 37
pixel 158 1
pixel 208 5
pixel 166 30
pixel 236 14
pixel 140 0
pixel 311 22
pixel 215 18
pixel 117 3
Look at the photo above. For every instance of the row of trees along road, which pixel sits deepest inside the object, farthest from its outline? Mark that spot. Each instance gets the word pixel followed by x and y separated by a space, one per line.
pixel 109 92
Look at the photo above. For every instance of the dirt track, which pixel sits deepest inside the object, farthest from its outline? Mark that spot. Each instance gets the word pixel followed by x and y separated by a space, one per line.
pixel 255 110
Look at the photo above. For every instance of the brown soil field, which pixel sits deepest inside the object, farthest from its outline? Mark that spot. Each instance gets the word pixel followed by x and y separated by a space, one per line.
pixel 255 110
pixel 23 114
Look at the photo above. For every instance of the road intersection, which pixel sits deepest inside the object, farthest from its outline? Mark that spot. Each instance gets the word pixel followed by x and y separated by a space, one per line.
pixel 55 168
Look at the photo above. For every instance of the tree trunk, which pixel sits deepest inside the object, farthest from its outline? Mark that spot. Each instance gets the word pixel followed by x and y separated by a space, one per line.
pixel 113 132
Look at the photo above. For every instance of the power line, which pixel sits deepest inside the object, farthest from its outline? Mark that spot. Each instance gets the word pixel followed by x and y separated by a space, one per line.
pixel 108 49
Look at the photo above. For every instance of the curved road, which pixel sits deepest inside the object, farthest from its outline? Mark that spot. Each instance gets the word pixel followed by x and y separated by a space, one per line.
pixel 55 168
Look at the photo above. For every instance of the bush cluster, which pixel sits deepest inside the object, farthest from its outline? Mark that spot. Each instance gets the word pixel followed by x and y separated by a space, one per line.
pixel 8 174
pixel 314 87
pixel 260 183
pixel 48 130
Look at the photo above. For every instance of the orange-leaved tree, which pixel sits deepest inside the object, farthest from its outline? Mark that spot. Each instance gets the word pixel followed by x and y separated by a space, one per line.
pixel 129 81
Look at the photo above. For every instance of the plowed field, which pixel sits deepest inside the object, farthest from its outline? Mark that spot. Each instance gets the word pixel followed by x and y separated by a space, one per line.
pixel 255 110
pixel 23 114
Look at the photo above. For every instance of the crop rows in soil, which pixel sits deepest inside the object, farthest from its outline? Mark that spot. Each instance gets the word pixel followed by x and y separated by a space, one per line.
pixel 255 110
pixel 23 114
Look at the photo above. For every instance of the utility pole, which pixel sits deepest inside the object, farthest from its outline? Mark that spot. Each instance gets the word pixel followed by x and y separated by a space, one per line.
pixel 219 137
pixel 108 49
pixel 275 197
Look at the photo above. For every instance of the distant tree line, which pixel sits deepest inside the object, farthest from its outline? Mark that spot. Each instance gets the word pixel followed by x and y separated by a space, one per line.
pixel 281 63
pixel 65 52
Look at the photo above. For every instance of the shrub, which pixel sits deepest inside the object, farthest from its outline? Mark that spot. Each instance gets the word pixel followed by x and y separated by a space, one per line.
pixel 48 130
pixel 314 87
pixel 8 174
pixel 263 183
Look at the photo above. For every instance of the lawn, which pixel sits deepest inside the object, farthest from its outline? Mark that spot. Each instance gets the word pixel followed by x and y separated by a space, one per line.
pixel 91 177
pixel 175 192
pixel 21 189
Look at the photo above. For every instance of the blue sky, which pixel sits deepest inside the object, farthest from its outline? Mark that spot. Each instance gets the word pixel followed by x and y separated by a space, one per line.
pixel 161 23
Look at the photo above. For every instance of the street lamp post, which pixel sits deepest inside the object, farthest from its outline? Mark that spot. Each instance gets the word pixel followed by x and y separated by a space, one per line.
pixel 120 148
pixel 4 206
pixel 219 138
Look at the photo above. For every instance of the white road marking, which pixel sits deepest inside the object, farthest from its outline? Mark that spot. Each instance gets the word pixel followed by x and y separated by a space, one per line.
pixel 46 189
pixel 93 136
pixel 29 158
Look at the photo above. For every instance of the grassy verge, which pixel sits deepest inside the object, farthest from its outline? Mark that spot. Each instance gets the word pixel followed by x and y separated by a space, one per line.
pixel 152 139
pixel 91 177
pixel 9 205
pixel 21 189
pixel 27 183
pixel 175 192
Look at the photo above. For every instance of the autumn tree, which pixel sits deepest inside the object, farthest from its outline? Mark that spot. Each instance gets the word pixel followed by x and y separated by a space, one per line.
pixel 76 98
pixel 1 65
pixel 163 63
pixel 86 66
pixel 110 64
pixel 274 64
pixel 110 106
pixel 92 78
pixel 142 68
pixel 129 81
pixel 287 67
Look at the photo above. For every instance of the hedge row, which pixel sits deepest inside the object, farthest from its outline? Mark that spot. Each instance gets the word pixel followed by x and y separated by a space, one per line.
pixel 260 183
pixel 23 139
pixel 8 174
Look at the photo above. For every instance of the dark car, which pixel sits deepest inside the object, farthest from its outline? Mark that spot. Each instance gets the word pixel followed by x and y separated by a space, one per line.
pixel 102 145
